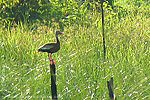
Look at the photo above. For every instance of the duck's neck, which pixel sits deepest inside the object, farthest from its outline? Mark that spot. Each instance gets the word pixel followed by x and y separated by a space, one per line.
pixel 57 41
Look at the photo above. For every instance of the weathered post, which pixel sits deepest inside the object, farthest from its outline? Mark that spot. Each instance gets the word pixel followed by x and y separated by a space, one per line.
pixel 110 89
pixel 53 80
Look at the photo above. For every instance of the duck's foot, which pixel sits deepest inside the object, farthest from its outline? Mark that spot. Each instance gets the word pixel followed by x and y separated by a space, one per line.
pixel 53 62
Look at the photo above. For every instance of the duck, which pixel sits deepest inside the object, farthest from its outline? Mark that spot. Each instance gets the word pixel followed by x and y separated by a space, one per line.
pixel 51 48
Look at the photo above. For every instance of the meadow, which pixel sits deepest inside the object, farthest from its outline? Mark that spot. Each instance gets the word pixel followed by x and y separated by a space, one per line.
pixel 81 72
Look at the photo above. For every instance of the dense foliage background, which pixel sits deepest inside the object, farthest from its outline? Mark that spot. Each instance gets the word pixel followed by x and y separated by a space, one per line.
pixel 63 12
pixel 25 25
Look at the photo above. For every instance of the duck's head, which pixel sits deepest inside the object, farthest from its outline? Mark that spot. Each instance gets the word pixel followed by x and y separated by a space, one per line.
pixel 58 32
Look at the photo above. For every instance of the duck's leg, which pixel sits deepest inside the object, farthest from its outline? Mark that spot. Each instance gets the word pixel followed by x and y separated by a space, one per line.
pixel 48 55
pixel 50 58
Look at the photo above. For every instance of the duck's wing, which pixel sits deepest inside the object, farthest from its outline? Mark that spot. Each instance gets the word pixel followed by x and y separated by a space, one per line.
pixel 46 47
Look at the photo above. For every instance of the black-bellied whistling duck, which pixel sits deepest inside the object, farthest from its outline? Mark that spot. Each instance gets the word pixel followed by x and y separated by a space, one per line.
pixel 51 47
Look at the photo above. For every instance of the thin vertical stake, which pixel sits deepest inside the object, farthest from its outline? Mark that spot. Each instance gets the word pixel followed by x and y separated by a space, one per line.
pixel 110 89
pixel 104 44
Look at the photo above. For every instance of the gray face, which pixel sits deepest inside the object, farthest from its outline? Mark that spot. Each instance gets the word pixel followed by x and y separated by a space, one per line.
pixel 57 32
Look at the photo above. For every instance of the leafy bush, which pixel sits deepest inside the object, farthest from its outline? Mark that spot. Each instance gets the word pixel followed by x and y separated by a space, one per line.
pixel 62 12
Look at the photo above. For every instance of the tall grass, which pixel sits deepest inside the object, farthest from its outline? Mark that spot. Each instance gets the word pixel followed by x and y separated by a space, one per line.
pixel 81 73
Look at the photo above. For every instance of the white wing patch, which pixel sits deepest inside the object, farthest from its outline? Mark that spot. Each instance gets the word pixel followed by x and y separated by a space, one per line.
pixel 47 47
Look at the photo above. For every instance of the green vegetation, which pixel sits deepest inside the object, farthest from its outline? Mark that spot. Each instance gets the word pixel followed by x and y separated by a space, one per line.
pixel 81 72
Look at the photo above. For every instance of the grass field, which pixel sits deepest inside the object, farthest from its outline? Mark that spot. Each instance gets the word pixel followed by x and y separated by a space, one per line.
pixel 81 72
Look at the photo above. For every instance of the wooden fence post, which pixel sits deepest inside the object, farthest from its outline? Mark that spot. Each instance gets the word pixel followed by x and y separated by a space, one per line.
pixel 53 81
pixel 110 89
